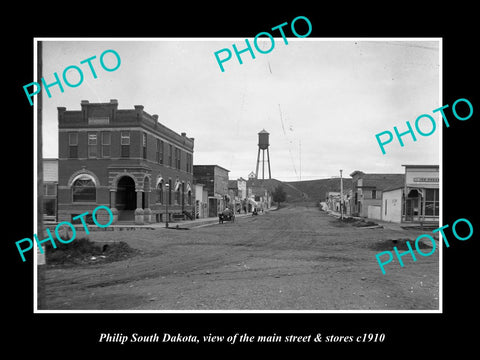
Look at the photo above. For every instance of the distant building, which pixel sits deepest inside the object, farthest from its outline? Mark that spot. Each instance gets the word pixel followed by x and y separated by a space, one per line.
pixel 347 201
pixel 422 194
pixel 367 192
pixel 215 181
pixel 201 201
pixel 237 190
pixel 124 159
pixel 258 195
pixel 242 188
pixel 50 183
pixel 415 201
pixel 333 201
pixel 392 204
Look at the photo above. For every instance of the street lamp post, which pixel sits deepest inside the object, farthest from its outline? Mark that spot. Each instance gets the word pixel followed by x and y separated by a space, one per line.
pixel 167 199
pixel 341 195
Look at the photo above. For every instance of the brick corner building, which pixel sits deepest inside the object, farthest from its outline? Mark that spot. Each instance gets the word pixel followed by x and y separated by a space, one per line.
pixel 124 159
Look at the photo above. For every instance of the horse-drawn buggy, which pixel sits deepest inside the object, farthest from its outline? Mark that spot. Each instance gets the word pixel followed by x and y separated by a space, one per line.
pixel 226 215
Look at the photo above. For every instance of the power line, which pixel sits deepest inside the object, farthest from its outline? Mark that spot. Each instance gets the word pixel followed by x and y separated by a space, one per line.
pixel 313 177
pixel 288 141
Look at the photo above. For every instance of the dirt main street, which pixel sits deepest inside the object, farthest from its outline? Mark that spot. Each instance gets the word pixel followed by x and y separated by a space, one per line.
pixel 295 258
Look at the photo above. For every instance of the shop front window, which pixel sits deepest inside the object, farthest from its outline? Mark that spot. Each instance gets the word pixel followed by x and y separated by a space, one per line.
pixel 432 202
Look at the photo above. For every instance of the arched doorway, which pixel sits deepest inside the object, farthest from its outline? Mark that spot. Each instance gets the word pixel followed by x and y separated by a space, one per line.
pixel 126 199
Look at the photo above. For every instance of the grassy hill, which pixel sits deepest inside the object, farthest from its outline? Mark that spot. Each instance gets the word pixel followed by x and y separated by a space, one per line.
pixel 293 194
pixel 311 190
pixel 316 189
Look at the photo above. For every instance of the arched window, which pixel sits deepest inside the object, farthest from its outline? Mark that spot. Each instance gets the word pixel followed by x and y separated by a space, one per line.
pixel 177 194
pixel 160 192
pixel 189 194
pixel 83 189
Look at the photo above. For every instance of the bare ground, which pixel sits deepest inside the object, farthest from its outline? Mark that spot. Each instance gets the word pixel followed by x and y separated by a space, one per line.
pixel 296 258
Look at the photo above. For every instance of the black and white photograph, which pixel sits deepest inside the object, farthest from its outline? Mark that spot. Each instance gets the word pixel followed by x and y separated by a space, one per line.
pixel 260 187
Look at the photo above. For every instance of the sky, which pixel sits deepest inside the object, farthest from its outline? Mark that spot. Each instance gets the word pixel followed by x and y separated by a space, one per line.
pixel 322 100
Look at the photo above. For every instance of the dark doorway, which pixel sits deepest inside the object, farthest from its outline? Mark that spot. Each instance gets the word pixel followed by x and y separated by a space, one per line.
pixel 126 199
pixel 413 206
pixel 212 207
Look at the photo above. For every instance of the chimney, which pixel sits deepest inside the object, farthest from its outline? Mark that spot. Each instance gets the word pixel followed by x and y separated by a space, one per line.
pixel 139 110
pixel 61 111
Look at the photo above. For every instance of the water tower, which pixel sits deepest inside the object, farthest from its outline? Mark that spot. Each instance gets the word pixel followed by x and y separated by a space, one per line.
pixel 263 145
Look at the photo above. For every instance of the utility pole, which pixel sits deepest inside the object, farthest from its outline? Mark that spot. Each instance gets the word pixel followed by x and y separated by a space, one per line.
pixel 167 191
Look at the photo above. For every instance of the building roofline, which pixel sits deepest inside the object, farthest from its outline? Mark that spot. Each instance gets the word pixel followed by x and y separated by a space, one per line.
pixel 212 165
pixel 394 188
pixel 145 121
pixel 422 166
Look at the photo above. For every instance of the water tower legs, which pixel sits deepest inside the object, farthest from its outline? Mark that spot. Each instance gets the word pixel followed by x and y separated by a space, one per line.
pixel 263 163
pixel 258 163
pixel 268 159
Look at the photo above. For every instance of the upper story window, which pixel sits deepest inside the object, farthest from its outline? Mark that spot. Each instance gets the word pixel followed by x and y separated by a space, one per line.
pixel 177 158
pixel 189 163
pixel 125 143
pixel 92 145
pixel 144 145
pixel 125 137
pixel 159 151
pixel 106 141
pixel 73 145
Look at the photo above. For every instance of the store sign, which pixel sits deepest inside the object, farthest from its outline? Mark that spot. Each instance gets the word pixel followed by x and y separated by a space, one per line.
pixel 425 179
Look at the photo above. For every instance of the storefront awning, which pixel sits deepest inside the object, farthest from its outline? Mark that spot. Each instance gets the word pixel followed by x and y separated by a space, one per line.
pixel 410 189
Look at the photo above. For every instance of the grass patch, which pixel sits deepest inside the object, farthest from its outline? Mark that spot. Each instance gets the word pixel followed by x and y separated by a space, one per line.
pixel 353 222
pixel 83 251
pixel 400 244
